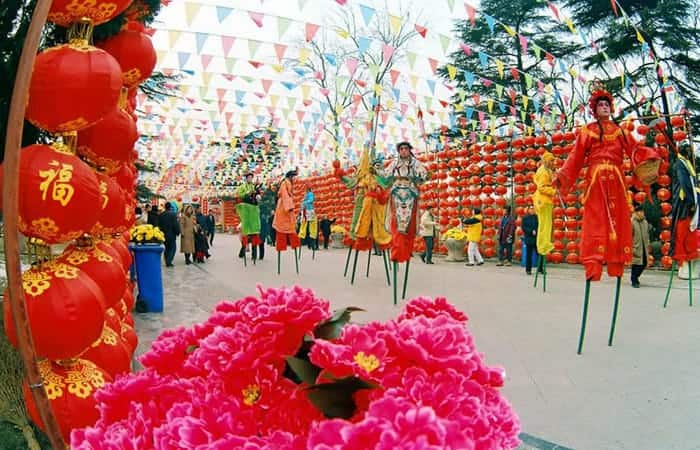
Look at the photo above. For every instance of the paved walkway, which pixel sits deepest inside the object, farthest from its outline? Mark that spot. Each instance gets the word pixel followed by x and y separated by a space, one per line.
pixel 642 393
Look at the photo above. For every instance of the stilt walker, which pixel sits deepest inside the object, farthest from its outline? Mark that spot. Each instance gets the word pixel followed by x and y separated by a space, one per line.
pixel 406 174
pixel 543 203
pixel 607 229
pixel 368 219
pixel 249 195
pixel 284 221
pixel 685 199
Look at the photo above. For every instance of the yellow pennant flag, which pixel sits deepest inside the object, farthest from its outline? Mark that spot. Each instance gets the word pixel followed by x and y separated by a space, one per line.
pixel 277 68
pixel 571 26
pixel 451 71
pixel 526 100
pixel 640 38
pixel 304 54
pixel 206 78
pixel 191 10
pixel 173 36
pixel 390 103
pixel 342 33
pixel 395 23
pixel 414 80
pixel 459 106
pixel 489 103
pixel 339 109
pixel 509 30
pixel 378 89
pixel 234 142
pixel 499 66
pixel 305 91
pixel 573 72
pixel 274 99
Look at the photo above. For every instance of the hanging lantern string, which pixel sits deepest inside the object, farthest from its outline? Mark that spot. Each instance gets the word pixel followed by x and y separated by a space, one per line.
pixel 80 33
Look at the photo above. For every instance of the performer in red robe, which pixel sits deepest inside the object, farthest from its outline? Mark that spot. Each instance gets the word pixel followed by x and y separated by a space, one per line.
pixel 606 235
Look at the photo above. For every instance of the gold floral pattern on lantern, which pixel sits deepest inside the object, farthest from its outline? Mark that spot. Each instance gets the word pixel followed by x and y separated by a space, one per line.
pixel 132 76
pixel 35 283
pixel 101 256
pixel 75 124
pixel 45 226
pixel 65 271
pixel 108 336
pixel 53 383
pixel 83 379
pixel 65 237
pixel 77 257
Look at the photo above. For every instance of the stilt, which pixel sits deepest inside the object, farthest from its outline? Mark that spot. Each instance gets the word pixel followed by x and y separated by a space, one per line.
pixel 296 260
pixel 690 283
pixel 405 280
pixel 354 267
pixel 539 266
pixel 313 254
pixel 386 267
pixel 544 274
pixel 347 262
pixel 670 282
pixel 614 316
pixel 586 296
pixel 279 259
pixel 396 269
pixel 245 258
pixel 369 260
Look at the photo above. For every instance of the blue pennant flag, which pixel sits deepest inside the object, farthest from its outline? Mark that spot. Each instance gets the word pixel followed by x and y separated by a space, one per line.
pixel 397 94
pixel 363 44
pixel 201 39
pixel 536 105
pixel 239 96
pixel 182 58
pixel 301 72
pixel 469 78
pixel 289 85
pixel 502 107
pixel 431 85
pixel 324 108
pixel 490 21
pixel 315 116
pixel 562 66
pixel 367 13
pixel 452 120
pixel 469 112
pixel 330 58
pixel 483 59
pixel 216 124
pixel 307 125
pixel 222 13
pixel 261 120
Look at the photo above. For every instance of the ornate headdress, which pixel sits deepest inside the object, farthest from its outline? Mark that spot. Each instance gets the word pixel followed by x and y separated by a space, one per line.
pixel 291 173
pixel 598 93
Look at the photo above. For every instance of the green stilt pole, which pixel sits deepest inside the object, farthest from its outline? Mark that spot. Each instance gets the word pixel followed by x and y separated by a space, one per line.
pixel 690 283
pixel 614 316
pixel 354 267
pixel 539 266
pixel 347 262
pixel 405 280
pixel 396 269
pixel 386 267
pixel 245 262
pixel 586 296
pixel 279 259
pixel 544 273
pixel 369 260
pixel 670 282
pixel 296 260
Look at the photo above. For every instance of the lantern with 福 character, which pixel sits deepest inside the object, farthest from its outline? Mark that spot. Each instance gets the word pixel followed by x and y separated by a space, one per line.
pixel 70 387
pixel 65 308
pixel 59 195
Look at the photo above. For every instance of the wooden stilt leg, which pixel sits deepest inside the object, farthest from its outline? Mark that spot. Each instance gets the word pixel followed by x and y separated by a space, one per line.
pixel 386 267
pixel 396 269
pixel 586 296
pixel 245 260
pixel 670 282
pixel 614 316
pixel 405 280
pixel 296 260
pixel 690 283
pixel 279 259
pixel 537 272
pixel 544 274
pixel 369 260
pixel 347 262
pixel 354 267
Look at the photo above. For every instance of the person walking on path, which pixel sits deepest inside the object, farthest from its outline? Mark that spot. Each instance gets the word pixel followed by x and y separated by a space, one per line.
pixel 427 231
pixel 325 226
pixel 188 222
pixel 506 236
pixel 474 228
pixel 168 224
pixel 211 227
pixel 529 226
pixel 640 244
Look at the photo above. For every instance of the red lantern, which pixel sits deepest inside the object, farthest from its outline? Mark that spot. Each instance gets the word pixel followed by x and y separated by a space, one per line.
pixel 663 194
pixel 65 12
pixel 667 262
pixel 665 235
pixel 572 258
pixel 666 208
pixel 126 178
pixel 70 388
pixel 642 129
pixel 135 53
pixel 555 257
pixel 130 337
pixel 665 222
pixel 558 223
pixel 110 353
pixel 571 246
pixel 110 141
pixel 558 234
pixel 113 209
pixel 72 87
pixel 489 252
pixel 104 270
pixel 65 308
pixel 664 180
pixel 59 195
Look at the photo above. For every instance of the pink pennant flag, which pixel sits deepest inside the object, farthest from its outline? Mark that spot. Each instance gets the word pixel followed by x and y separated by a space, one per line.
pixel 220 93
pixel 412 96
pixel 227 43
pixel 466 49
pixel 555 11
pixel 266 85
pixel 257 18
pixel 421 30
pixel 404 108
pixel 341 2
pixel 206 59
pixel 388 51
pixel 229 116
pixel 222 106
pixel 471 12
pixel 486 82
pixel 523 42
pixel 357 98
pixel 433 64
pixel 255 64
pixel 228 76
pixel 394 74
pixel 514 72
pixel 280 50
pixel 260 95
pixel 325 91
pixel 351 64
pixel 311 30
pixel 300 115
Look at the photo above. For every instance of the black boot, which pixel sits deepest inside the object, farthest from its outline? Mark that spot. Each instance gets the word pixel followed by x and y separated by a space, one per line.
pixel 187 259
pixel 241 254
pixel 261 251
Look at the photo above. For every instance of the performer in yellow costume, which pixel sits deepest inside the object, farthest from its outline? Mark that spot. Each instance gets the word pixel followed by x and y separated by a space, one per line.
pixel 543 202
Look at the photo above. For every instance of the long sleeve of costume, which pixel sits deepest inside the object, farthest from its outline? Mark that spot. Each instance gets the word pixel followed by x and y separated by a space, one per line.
pixel 684 198
pixel 284 213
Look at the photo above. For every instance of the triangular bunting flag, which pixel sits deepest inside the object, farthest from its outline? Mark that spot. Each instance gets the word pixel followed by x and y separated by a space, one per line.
pixel 394 74
pixel 444 42
pixel 421 30
pixel 253 46
pixel 222 13
pixel 257 18
pixel 227 43
pixel 280 50
pixel 282 26
pixel 191 10
pixel 433 64
pixel 367 13
pixel 395 23
pixel 311 30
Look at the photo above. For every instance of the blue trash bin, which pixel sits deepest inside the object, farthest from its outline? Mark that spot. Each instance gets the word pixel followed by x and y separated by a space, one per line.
pixel 524 255
pixel 149 275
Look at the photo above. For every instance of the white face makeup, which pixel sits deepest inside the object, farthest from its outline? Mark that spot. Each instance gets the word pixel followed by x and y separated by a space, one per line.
pixel 602 109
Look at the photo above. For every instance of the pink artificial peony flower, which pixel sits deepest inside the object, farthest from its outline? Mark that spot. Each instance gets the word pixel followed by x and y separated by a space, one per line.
pixel 427 307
